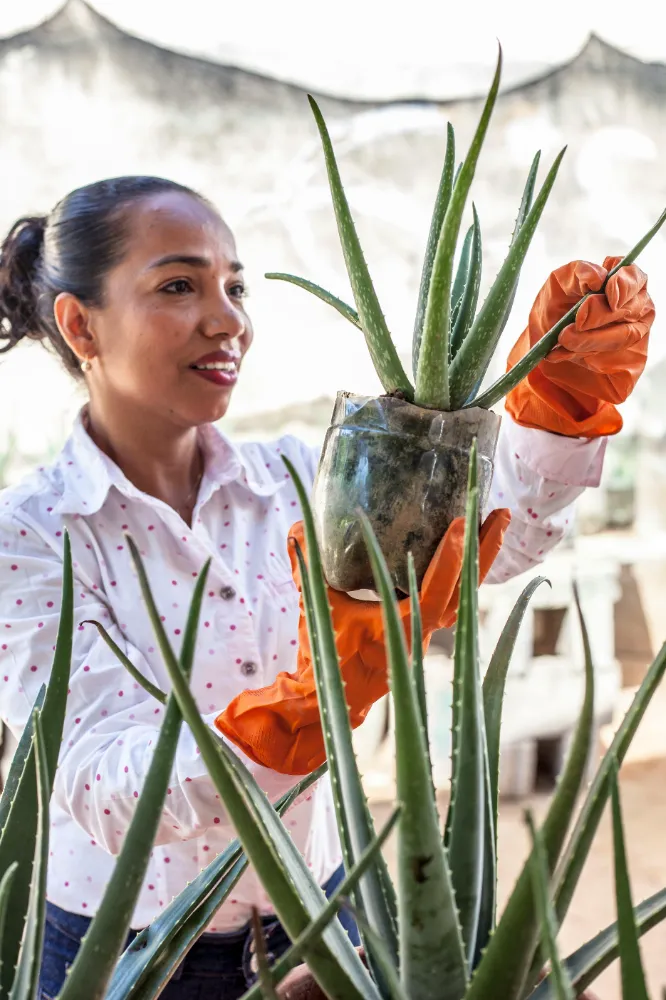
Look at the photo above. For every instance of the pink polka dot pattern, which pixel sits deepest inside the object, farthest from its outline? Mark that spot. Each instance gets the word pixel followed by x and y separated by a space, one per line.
pixel 246 506
pixel 250 616
pixel 538 477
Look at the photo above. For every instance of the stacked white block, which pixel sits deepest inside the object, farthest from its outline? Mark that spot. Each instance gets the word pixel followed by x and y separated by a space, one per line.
pixel 545 684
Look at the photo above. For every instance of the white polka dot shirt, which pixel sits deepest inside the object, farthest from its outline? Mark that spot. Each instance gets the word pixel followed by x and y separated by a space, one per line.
pixel 246 505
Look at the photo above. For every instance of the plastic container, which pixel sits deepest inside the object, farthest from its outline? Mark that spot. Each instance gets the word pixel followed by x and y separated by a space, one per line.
pixel 406 467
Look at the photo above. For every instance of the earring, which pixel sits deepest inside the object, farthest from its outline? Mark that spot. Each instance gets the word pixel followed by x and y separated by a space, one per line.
pixel 86 366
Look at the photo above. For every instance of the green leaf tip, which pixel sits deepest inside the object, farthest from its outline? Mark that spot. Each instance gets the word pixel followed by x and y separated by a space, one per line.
pixel 439 212
pixel 561 982
pixel 631 965
pixel 309 286
pixel 432 378
pixel 545 345
pixel 378 338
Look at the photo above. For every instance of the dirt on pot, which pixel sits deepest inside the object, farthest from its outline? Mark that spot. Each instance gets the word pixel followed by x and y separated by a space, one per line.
pixel 406 468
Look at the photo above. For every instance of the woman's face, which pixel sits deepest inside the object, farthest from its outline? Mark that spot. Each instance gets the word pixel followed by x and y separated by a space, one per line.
pixel 172 331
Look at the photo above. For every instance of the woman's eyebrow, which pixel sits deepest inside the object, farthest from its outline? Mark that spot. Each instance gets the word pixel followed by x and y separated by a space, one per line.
pixel 193 260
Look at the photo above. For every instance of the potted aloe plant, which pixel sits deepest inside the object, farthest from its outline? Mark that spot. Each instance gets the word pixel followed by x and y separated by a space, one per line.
pixel 402 457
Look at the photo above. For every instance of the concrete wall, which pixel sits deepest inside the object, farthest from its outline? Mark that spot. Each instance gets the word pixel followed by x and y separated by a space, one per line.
pixel 80 100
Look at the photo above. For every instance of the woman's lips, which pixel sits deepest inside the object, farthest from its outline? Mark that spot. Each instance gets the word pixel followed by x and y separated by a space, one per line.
pixel 219 376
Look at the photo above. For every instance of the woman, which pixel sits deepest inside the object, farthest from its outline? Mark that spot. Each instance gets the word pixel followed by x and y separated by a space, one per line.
pixel 136 284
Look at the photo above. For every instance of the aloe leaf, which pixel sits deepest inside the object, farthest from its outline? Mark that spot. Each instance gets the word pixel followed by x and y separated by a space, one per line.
pixel 592 958
pixel 349 798
pixel 394 990
pixel 269 848
pixel 631 966
pixel 263 968
pixel 163 965
pixel 378 338
pixel 376 889
pixel 528 194
pixel 136 674
pixel 464 316
pixel 5 889
pixel 418 668
pixel 189 636
pixel 462 272
pixel 639 247
pixel 150 960
pixel 273 854
pixel 589 816
pixel 95 961
pixel 578 846
pixel 52 716
pixel 375 894
pixel 561 983
pixel 432 959
pixel 432 378
pixel 458 662
pixel 527 363
pixel 332 300
pixel 470 817
pixel 525 205
pixel 495 680
pixel 441 204
pixel 19 832
pixel 292 957
pixel 506 961
pixel 297 898
pixel 26 979
pixel 493 697
pixel 475 354
pixel 488 900
pixel 18 762
pixel 544 346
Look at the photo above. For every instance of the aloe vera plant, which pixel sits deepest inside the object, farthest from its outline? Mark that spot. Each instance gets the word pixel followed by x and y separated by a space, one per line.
pixel 452 343
pixel 146 966
pixel 452 943
pixel 436 933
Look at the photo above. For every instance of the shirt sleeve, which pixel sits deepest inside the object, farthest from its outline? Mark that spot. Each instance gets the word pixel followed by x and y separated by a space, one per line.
pixel 538 476
pixel 112 724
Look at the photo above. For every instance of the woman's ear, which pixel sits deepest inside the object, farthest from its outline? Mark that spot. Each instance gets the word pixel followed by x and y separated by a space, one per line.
pixel 73 319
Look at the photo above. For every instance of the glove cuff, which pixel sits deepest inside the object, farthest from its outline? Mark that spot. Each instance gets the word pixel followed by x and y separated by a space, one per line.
pixel 528 409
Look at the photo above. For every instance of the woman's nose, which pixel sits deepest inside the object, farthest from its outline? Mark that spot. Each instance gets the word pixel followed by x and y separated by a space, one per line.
pixel 222 316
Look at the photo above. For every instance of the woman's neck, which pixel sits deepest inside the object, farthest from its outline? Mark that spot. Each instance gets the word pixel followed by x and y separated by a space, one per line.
pixel 164 461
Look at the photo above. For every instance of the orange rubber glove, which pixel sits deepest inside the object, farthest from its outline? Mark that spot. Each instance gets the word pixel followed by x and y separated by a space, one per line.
pixel 599 356
pixel 279 726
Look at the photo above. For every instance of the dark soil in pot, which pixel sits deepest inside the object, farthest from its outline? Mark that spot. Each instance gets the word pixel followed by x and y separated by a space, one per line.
pixel 406 468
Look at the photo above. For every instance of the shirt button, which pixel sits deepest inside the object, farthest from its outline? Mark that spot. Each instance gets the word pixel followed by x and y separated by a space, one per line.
pixel 248 668
pixel 227 593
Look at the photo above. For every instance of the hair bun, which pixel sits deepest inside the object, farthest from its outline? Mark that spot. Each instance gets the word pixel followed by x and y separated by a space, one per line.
pixel 20 258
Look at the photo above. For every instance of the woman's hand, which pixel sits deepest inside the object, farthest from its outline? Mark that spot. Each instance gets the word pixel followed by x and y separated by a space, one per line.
pixel 279 725
pixel 599 356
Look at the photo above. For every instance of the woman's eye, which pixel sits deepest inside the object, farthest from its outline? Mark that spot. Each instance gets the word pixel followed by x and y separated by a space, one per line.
pixel 180 286
pixel 238 291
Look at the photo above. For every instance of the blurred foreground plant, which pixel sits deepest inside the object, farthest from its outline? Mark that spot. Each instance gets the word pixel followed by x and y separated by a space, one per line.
pixel 447 940
pixel 435 933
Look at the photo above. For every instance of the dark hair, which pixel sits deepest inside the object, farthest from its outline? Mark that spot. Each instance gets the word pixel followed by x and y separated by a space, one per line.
pixel 71 250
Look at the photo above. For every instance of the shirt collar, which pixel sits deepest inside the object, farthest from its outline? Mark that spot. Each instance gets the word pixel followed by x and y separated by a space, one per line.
pixel 88 474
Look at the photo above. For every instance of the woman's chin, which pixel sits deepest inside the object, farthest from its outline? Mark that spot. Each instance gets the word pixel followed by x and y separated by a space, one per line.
pixel 208 411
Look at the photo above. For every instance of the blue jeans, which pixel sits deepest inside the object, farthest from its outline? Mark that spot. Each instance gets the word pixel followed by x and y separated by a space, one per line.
pixel 217 967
